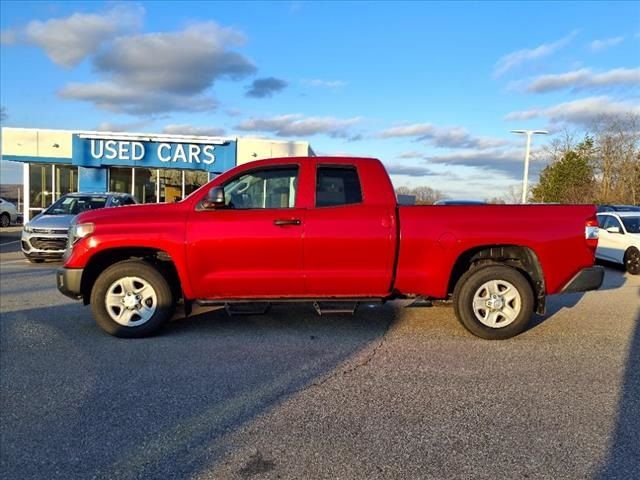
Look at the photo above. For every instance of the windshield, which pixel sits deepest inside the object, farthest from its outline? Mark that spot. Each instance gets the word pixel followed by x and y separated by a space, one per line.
pixel 631 224
pixel 76 204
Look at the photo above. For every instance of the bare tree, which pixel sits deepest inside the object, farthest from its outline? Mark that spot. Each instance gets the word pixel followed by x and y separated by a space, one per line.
pixel 617 159
pixel 513 195
pixel 424 195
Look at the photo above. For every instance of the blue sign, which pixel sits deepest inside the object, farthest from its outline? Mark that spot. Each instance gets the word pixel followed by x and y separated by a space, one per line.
pixel 98 152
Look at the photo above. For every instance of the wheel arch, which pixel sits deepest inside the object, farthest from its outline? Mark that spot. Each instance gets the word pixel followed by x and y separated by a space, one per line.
pixel 105 258
pixel 520 257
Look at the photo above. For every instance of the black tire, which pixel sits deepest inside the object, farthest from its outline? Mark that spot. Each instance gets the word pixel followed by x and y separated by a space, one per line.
pixel 36 260
pixel 632 260
pixel 471 282
pixel 164 304
pixel 5 220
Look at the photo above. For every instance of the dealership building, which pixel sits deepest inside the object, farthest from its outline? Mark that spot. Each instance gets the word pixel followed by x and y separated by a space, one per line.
pixel 152 167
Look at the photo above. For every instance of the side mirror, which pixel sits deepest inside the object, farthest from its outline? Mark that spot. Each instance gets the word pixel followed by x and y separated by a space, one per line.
pixel 214 199
pixel 613 229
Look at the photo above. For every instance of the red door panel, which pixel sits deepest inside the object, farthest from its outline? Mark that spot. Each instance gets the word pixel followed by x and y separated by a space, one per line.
pixel 348 250
pixel 245 254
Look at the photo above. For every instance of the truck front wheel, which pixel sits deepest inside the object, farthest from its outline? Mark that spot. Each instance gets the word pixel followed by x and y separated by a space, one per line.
pixel 131 299
pixel 493 302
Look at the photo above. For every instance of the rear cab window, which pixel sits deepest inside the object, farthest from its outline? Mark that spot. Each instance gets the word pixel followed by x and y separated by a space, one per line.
pixel 337 185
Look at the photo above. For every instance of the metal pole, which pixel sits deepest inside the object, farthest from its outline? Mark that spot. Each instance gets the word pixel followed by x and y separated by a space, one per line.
pixel 527 152
pixel 525 180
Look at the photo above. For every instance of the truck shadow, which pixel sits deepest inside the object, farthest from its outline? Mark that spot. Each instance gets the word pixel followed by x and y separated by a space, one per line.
pixel 142 408
pixel 613 278
pixel 623 460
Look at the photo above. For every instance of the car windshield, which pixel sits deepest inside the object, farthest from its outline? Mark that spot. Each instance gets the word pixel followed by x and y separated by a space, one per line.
pixel 76 204
pixel 631 224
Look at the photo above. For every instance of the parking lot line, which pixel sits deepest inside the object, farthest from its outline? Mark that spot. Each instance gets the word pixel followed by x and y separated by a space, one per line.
pixel 9 243
pixel 21 260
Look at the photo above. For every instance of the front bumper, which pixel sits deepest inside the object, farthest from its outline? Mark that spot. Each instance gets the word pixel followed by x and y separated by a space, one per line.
pixel 69 282
pixel 586 279
pixel 41 244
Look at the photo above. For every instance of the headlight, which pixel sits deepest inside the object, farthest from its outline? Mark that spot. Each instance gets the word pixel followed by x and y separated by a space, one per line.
pixel 81 230
pixel 28 229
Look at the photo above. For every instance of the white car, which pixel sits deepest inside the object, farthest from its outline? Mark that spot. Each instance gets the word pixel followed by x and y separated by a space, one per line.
pixel 8 213
pixel 620 239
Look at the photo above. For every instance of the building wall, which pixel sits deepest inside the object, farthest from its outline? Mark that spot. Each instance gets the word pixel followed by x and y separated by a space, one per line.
pixel 94 153
pixel 250 149
pixel 29 142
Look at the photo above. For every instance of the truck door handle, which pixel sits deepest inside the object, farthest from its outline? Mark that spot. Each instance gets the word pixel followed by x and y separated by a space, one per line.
pixel 281 222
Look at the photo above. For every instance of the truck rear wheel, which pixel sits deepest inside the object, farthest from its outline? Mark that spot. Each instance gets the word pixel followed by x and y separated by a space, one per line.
pixel 493 302
pixel 131 299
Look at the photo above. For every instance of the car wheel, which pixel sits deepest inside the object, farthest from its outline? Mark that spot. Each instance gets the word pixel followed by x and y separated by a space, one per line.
pixel 493 302
pixel 36 260
pixel 5 220
pixel 632 260
pixel 131 299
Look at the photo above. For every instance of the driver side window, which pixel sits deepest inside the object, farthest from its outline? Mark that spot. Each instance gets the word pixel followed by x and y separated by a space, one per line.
pixel 266 188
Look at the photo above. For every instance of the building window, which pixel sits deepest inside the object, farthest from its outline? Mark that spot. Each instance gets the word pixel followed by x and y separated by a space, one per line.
pixel 170 185
pixel 120 180
pixel 40 186
pixel 155 185
pixel 145 185
pixel 193 180
pixel 66 180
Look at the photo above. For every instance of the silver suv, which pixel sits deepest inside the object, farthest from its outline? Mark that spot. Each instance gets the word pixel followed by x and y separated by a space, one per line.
pixel 45 236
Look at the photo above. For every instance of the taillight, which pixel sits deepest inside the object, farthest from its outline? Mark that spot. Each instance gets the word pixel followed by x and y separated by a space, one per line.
pixel 591 232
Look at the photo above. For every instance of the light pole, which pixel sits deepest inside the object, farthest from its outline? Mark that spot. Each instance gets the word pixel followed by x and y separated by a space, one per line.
pixel 525 180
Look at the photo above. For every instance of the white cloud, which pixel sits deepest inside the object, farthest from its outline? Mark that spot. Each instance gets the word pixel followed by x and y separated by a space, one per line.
pixel 445 137
pixel 296 125
pixel 184 62
pixel 324 83
pixel 122 127
pixel 135 101
pixel 69 40
pixel 599 45
pixel 581 112
pixel 410 170
pixel 410 155
pixel 186 129
pixel 506 161
pixel 514 59
pixel 585 79
pixel 163 72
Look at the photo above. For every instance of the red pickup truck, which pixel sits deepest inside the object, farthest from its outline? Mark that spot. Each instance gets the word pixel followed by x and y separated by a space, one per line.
pixel 324 230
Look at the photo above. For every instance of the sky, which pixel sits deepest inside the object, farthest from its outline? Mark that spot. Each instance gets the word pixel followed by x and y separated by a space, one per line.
pixel 432 89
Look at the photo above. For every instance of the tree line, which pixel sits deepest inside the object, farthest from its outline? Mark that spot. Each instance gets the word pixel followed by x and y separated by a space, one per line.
pixel 602 167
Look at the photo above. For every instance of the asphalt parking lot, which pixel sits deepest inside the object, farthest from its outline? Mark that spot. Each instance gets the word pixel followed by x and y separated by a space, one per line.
pixel 390 392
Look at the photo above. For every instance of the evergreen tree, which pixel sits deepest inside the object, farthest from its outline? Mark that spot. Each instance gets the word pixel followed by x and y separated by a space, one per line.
pixel 570 179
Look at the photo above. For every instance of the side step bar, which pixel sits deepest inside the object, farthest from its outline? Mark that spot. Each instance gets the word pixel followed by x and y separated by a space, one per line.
pixel 262 306
pixel 246 308
pixel 324 308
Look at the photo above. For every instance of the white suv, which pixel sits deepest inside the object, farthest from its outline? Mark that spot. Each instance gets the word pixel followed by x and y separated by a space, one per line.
pixel 620 239
pixel 8 213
